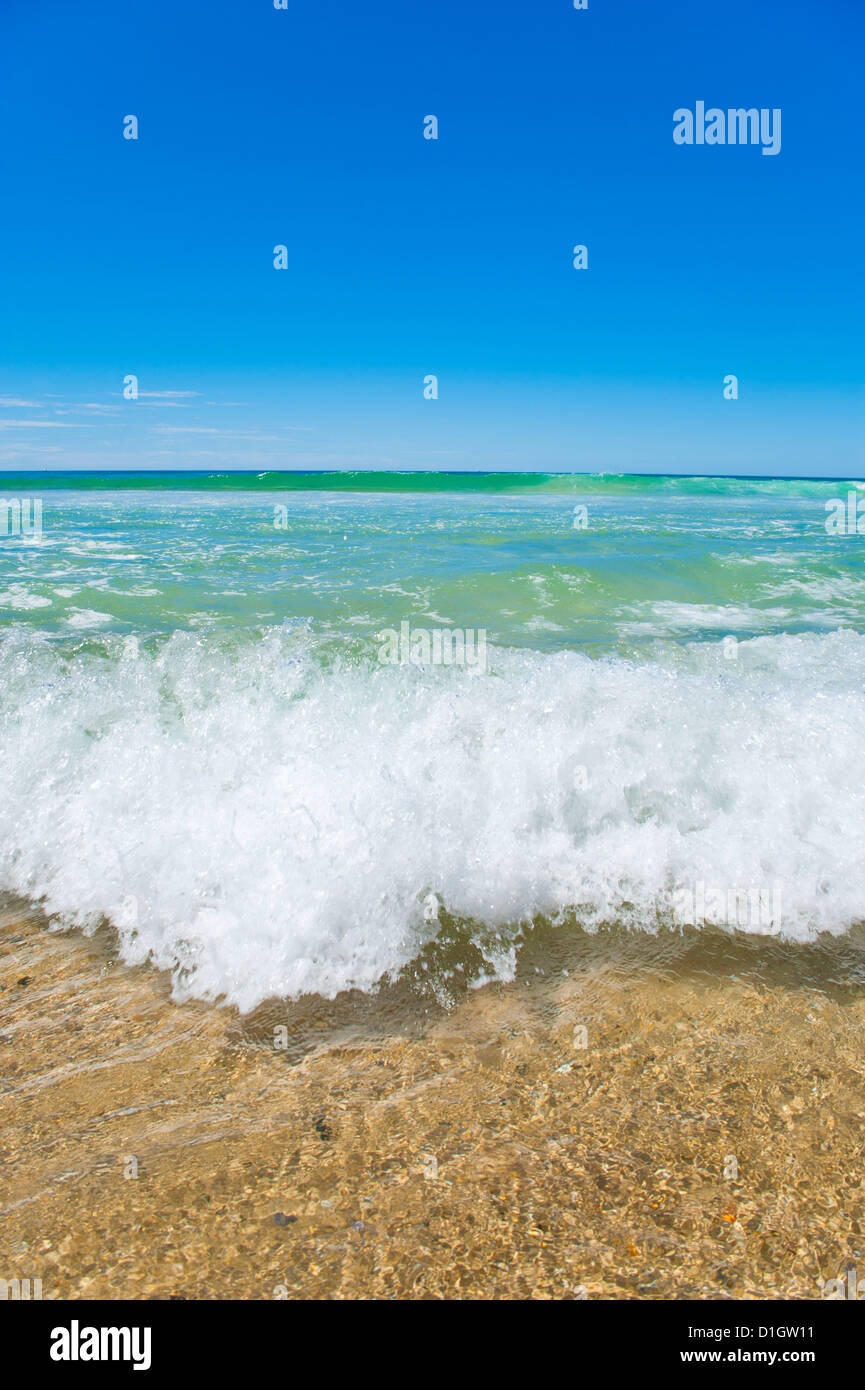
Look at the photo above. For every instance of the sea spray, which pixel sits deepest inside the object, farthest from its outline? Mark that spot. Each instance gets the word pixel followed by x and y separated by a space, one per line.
pixel 280 818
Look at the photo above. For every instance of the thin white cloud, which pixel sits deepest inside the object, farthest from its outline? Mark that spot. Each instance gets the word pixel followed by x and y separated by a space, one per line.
pixel 184 429
pixel 24 451
pixel 166 395
pixel 38 425
pixel 8 401
pixel 218 433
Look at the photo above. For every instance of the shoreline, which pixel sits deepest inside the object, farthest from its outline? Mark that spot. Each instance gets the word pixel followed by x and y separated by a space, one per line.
pixel 487 1154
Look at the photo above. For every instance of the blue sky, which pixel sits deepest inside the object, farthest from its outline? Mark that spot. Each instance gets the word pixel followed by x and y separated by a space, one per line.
pixel 410 257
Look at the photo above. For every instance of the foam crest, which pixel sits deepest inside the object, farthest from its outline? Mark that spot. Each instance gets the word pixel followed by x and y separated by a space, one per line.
pixel 271 818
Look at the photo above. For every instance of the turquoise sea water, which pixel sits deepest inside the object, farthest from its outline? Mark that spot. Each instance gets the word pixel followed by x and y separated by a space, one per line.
pixel 653 559
pixel 201 744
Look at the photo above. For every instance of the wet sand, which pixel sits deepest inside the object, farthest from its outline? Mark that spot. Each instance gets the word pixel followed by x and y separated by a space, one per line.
pixel 705 1143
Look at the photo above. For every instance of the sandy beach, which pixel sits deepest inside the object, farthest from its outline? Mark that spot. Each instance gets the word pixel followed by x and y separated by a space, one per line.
pixel 402 1148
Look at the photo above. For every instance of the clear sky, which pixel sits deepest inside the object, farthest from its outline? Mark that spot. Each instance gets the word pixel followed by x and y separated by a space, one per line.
pixel 407 257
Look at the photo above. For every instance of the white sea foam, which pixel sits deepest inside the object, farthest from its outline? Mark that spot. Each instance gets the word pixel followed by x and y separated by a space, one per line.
pixel 87 617
pixel 18 596
pixel 263 821
pixel 701 617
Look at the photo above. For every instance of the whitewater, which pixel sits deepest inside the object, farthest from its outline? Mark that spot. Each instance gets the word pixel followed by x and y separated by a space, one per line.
pixel 259 806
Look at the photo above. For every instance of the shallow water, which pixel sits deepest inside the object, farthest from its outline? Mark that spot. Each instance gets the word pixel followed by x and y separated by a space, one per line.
pixel 202 746
pixel 630 1117
pixel 471 1042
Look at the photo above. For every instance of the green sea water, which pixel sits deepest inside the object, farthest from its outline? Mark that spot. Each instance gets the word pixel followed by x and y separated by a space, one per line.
pixel 513 554
pixel 205 742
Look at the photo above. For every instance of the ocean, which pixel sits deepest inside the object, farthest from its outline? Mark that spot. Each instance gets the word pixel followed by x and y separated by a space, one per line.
pixel 211 744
